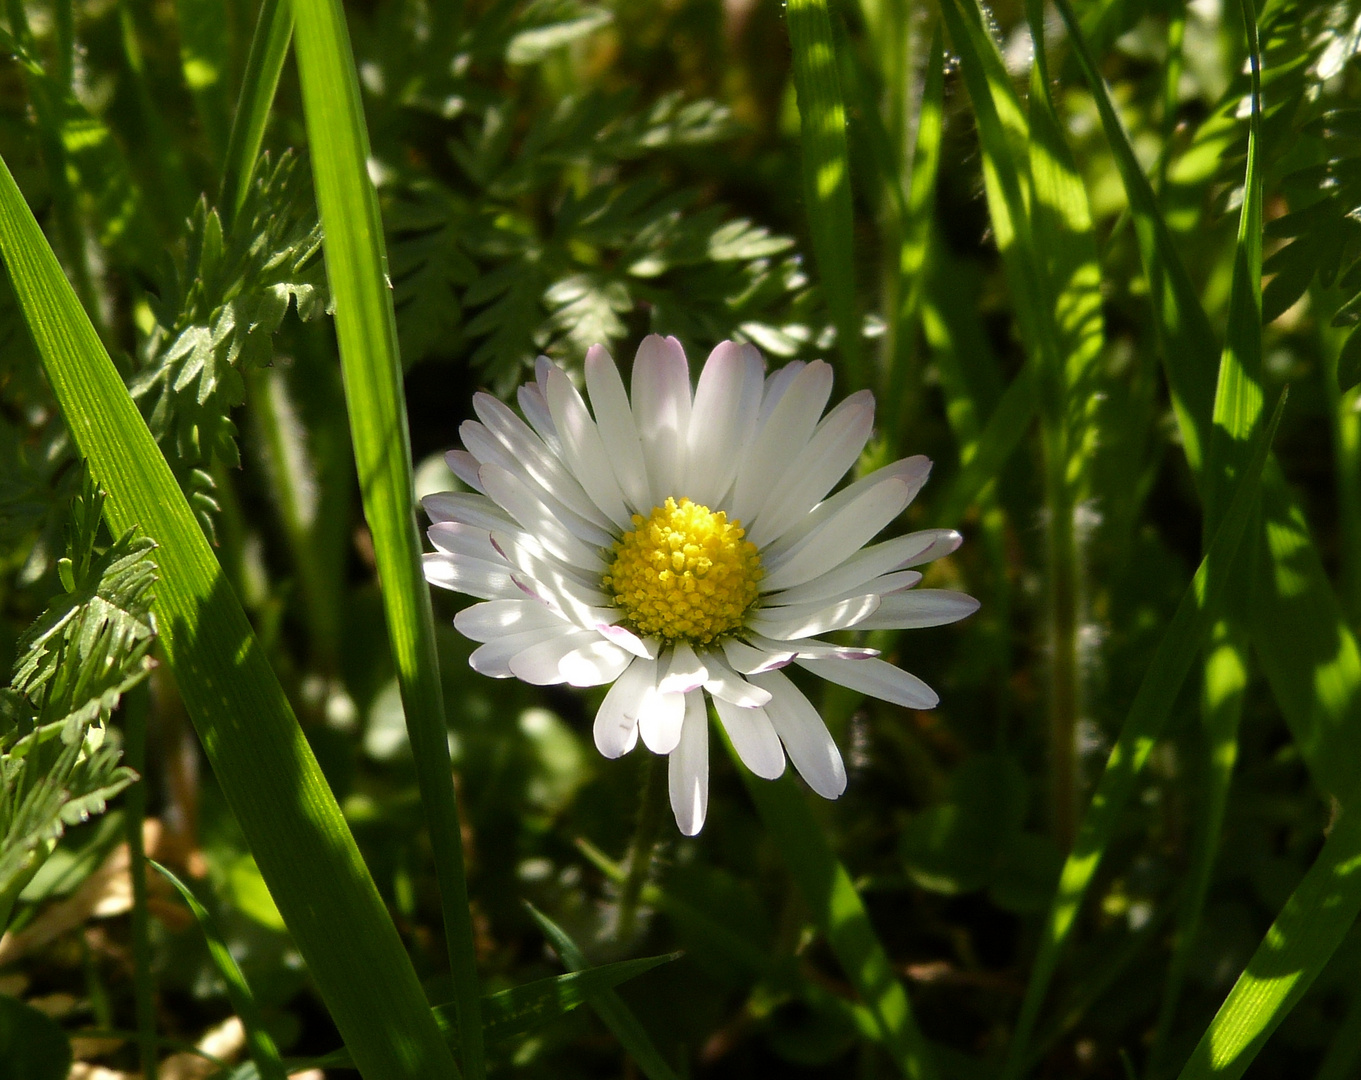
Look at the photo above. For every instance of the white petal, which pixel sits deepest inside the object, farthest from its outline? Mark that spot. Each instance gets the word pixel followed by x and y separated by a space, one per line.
pixel 616 723
pixel 725 409
pixel 780 439
pixel 463 465
pixel 725 684
pixel 777 382
pixel 661 409
pixel 882 585
pixel 804 735
pixel 688 769
pixel 619 433
pixel 540 663
pixel 455 538
pixel 838 538
pixel 474 577
pixel 525 552
pixel 921 607
pixel 877 678
pixel 753 737
pixel 809 620
pixel 593 664
pixel 559 585
pixel 659 720
pixel 684 672
pixel 535 407
pixel 647 648
pixel 748 660
pixel 912 471
pixel 467 509
pixel 867 564
pixel 493 658
pixel 497 618
pixel 821 649
pixel 549 528
pixel 532 458
pixel 583 448
pixel 833 449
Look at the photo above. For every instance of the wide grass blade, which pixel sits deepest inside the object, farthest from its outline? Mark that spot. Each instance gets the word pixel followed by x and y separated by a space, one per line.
pixel 609 1006
pixel 366 327
pixel 262 1049
pixel 1185 637
pixel 258 753
pixel 840 915
pixel 1302 637
pixel 1309 928
pixel 827 172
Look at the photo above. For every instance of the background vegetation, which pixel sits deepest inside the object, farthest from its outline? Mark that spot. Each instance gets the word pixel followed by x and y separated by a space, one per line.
pixel 1125 843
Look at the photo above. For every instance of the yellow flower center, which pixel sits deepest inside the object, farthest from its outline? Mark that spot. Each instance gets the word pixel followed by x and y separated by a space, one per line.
pixel 684 573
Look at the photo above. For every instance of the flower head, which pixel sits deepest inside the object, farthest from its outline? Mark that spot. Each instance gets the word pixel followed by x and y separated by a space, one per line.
pixel 677 544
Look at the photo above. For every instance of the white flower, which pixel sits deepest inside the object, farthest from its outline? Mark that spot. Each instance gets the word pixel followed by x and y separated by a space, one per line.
pixel 680 543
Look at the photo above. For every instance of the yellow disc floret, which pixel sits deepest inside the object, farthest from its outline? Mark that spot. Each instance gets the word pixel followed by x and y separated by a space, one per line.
pixel 684 573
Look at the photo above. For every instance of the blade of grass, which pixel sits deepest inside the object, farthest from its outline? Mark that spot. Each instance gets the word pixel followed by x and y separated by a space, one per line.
pixel 258 1041
pixel 609 1006
pixel 203 63
pixel 264 65
pixel 366 328
pixel 1304 935
pixel 840 915
pixel 261 758
pixel 1152 705
pixel 1302 638
pixel 827 172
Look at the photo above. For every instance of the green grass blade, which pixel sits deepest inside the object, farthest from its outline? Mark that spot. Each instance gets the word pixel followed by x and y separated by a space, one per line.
pixel 259 754
pixel 840 915
pixel 366 328
pixel 609 1006
pixel 1305 934
pixel 262 1049
pixel 203 62
pixel 827 172
pixel 1152 705
pixel 264 64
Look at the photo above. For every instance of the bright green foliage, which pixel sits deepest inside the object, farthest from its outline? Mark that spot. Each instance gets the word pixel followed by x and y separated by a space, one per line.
pixel 59 762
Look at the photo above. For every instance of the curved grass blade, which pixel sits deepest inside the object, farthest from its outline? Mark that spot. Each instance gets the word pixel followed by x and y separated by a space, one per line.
pixel 827 171
pixel 1185 637
pixel 366 328
pixel 840 915
pixel 523 1009
pixel 1305 934
pixel 261 758
pixel 262 1049
pixel 609 1006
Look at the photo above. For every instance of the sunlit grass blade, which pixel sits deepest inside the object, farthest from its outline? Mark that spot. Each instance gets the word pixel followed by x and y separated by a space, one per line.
pixel 840 915
pixel 262 1049
pixel 1186 635
pixel 1309 928
pixel 827 171
pixel 609 1006
pixel 264 64
pixel 366 328
pixel 1302 637
pixel 259 754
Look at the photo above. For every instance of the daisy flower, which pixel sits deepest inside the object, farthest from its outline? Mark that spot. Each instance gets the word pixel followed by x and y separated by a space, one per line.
pixel 678 544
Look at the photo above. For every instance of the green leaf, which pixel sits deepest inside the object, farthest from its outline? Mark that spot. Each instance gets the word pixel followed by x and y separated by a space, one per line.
pixel 262 1049
pixel 840 915
pixel 366 329
pixel 32 1047
pixel 1304 935
pixel 609 1006
pixel 258 752
pixel 827 171
pixel 264 65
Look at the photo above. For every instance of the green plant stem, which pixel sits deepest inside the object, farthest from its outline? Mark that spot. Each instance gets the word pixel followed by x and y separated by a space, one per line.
pixel 264 65
pixel 366 330
pixel 651 816
pixel 1176 37
pixel 136 707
